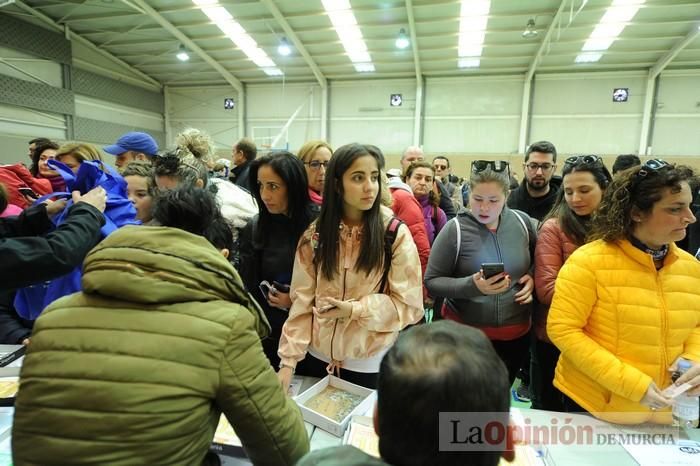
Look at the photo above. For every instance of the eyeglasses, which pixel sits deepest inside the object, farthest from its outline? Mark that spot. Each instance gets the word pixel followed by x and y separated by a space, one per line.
pixel 583 160
pixel 650 166
pixel 316 164
pixel 495 165
pixel 533 167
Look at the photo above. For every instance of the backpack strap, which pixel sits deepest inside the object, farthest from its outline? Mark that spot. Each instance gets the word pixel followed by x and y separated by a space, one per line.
pixel 522 222
pixel 389 237
pixel 531 242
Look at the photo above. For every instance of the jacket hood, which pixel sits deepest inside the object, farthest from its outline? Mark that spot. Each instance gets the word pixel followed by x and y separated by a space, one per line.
pixel 396 183
pixel 162 265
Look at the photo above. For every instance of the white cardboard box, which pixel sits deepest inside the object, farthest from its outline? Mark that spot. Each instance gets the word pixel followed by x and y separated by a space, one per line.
pixel 325 423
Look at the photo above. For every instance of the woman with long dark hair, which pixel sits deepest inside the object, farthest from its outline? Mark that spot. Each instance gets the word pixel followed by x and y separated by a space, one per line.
pixel 352 290
pixel 584 180
pixel 269 240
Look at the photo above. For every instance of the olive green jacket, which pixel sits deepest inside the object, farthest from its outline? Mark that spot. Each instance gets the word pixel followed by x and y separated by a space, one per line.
pixel 137 368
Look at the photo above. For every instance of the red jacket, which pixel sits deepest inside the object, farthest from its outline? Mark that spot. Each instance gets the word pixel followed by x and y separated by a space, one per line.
pixel 17 176
pixel 407 208
pixel 553 248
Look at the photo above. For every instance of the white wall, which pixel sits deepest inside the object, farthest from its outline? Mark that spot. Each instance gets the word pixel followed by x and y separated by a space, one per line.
pixel 360 112
pixel 472 115
pixel 576 112
pixel 677 127
pixel 202 108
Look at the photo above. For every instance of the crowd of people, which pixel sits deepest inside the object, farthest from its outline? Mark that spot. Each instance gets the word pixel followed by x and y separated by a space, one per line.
pixel 205 285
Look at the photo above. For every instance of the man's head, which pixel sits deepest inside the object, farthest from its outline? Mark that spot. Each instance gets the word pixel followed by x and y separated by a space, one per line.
pixel 441 165
pixel 623 162
pixel 132 146
pixel 540 165
pixel 36 142
pixel 442 367
pixel 244 151
pixel 411 154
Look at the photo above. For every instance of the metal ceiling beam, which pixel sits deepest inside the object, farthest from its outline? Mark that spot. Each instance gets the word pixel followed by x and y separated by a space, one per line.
pixel 75 37
pixel 527 85
pixel 645 142
pixel 418 111
pixel 189 43
pixel 309 60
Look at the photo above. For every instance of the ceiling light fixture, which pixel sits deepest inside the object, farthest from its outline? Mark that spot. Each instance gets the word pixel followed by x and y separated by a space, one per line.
pixel 530 32
pixel 473 16
pixel 345 25
pixel 182 54
pixel 284 48
pixel 235 32
pixel 611 25
pixel 402 41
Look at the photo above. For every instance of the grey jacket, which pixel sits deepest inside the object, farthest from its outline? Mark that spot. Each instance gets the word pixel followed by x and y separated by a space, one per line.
pixel 449 272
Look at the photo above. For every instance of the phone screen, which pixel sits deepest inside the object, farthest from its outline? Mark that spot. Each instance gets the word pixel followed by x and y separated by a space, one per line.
pixel 491 269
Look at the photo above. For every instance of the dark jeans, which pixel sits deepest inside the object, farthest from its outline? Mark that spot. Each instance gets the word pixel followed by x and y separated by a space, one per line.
pixel 313 367
pixel 544 360
pixel 511 353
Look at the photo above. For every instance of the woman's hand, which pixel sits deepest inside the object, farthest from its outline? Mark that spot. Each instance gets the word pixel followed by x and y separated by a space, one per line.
pixel 335 309
pixel 284 375
pixel 495 285
pixel 279 300
pixel 524 296
pixel 691 376
pixel 654 399
pixel 55 207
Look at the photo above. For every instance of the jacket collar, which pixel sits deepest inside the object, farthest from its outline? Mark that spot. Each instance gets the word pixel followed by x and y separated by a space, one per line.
pixel 645 259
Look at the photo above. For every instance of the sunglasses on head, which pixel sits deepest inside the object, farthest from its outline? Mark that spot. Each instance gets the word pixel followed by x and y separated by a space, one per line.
pixel 495 165
pixel 583 160
pixel 650 166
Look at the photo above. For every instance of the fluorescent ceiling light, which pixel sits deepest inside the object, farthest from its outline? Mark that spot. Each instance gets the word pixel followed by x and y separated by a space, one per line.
pixel 588 57
pixel 608 29
pixel 472 32
pixel 345 24
pixel 468 62
pixel 234 31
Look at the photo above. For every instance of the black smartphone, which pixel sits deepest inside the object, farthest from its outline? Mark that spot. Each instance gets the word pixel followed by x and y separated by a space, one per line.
pixel 281 287
pixel 29 192
pixel 489 269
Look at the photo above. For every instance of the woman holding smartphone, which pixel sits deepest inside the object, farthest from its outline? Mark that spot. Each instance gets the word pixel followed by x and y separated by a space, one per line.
pixel 348 302
pixel 481 262
pixel 269 241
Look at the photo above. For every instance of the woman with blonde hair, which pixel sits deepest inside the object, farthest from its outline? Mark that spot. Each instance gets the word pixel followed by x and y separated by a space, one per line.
pixel 75 153
pixel 315 155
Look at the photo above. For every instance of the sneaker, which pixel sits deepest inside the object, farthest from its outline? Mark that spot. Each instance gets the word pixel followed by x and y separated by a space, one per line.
pixel 522 393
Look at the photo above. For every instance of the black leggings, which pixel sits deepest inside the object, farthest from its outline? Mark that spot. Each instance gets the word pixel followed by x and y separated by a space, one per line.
pixel 313 367
pixel 544 360
pixel 511 353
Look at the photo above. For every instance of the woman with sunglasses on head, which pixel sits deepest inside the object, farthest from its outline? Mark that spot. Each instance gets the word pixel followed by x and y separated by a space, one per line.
pixel 584 179
pixel 499 304
pixel 352 291
pixel 626 305
pixel 269 240
pixel 315 155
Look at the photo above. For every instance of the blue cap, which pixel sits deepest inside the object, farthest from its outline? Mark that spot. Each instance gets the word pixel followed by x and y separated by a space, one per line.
pixel 135 141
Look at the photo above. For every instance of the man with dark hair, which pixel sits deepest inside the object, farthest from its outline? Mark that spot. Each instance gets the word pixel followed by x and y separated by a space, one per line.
pixel 36 142
pixel 244 152
pixel 625 161
pixel 425 373
pixel 536 194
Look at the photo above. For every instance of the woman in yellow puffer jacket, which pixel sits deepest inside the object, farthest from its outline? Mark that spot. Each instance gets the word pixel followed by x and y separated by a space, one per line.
pixel 627 305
